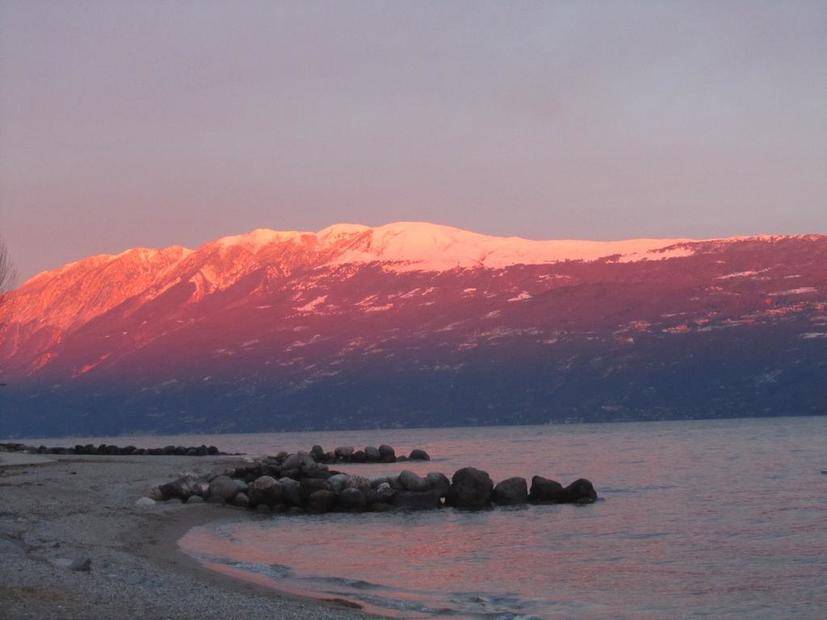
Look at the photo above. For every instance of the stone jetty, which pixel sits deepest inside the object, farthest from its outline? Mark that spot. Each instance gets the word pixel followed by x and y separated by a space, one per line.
pixel 298 483
pixel 371 454
pixel 104 449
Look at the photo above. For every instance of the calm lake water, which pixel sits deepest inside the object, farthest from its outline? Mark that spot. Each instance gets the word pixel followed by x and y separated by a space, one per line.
pixel 700 518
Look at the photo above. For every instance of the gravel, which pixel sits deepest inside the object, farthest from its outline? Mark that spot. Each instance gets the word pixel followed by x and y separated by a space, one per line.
pixel 74 544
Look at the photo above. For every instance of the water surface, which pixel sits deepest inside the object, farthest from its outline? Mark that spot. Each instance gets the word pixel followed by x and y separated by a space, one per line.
pixel 714 518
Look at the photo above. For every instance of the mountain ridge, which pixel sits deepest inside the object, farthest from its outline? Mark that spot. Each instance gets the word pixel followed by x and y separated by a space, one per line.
pixel 274 320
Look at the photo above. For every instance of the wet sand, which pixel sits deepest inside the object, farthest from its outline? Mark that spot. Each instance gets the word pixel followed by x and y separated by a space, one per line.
pixel 66 509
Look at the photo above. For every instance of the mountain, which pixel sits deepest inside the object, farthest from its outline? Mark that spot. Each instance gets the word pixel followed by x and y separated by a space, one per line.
pixel 414 324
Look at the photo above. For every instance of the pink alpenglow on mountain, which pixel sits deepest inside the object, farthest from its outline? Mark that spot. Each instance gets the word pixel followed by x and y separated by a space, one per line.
pixel 416 324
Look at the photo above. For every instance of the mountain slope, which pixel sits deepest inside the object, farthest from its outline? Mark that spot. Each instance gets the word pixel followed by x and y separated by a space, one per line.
pixel 413 323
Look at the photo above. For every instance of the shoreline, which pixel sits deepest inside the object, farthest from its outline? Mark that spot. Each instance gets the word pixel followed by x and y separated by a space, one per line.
pixel 77 508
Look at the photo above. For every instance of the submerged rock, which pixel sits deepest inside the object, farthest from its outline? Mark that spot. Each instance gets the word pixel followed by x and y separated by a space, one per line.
pixel 471 488
pixel 511 492
pixel 419 455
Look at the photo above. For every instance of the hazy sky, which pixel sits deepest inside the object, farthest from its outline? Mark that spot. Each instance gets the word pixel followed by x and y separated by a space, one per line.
pixel 153 123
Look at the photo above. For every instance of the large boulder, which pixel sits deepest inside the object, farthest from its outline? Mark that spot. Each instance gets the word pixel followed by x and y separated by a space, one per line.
pixel 438 482
pixel 317 452
pixel 545 490
pixel 387 454
pixel 384 493
pixel 222 489
pixel 358 482
pixel 338 481
pixel 372 454
pixel 290 491
pixel 419 455
pixel 316 470
pixel 265 490
pixel 297 461
pixel 471 488
pixel 580 491
pixel 413 482
pixel 511 492
pixel 181 489
pixel 352 499
pixel 241 500
pixel 308 486
pixel 344 453
pixel 321 501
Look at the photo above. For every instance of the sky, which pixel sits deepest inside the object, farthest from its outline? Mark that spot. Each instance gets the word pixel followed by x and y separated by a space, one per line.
pixel 155 123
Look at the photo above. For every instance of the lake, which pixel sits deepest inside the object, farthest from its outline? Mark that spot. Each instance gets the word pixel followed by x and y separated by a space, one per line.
pixel 696 518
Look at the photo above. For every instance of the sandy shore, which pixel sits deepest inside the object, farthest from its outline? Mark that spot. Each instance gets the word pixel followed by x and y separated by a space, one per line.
pixel 66 509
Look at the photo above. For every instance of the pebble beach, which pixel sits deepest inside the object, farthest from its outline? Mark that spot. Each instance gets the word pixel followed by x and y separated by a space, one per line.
pixel 75 545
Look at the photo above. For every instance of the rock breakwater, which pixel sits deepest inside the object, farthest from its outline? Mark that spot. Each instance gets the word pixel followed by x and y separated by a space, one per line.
pixel 298 483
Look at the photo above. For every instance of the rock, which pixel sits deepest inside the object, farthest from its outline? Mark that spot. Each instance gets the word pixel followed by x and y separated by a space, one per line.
pixel 413 482
pixel 222 489
pixel 343 452
pixel 419 455
pixel 321 501
pixel 412 500
pixel 372 454
pixel 308 486
pixel 438 482
pixel 195 499
pixel 177 489
pixel 545 490
pixel 145 502
pixel 358 456
pixel 338 482
pixel 387 454
pixel 265 490
pixel 81 565
pixel 298 461
pixel 580 491
pixel 317 452
pixel 511 492
pixel 384 493
pixel 316 470
pixel 290 491
pixel 155 493
pixel 352 499
pixel 401 459
pixel 241 500
pixel 375 482
pixel 470 488
pixel 202 489
pixel 358 482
